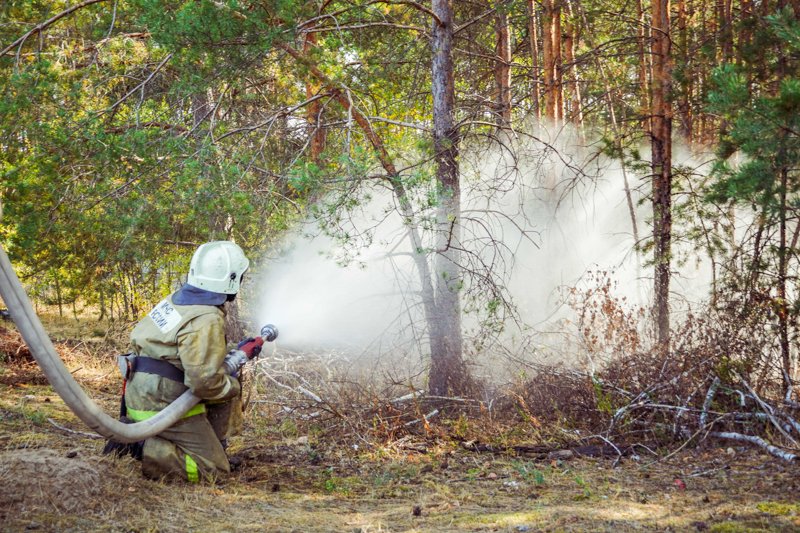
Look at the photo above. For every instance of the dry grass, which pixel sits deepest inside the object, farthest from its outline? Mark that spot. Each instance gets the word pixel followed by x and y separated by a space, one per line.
pixel 336 472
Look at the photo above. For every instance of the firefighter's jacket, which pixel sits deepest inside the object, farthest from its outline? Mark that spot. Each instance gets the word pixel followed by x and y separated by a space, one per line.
pixel 192 338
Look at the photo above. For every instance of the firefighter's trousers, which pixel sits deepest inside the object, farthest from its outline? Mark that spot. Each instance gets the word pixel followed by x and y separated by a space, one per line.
pixel 192 449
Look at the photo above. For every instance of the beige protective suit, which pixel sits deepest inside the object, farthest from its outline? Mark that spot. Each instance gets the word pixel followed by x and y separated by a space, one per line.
pixel 192 338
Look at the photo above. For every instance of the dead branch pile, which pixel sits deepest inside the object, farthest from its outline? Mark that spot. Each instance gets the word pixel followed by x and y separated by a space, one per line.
pixel 715 383
pixel 721 379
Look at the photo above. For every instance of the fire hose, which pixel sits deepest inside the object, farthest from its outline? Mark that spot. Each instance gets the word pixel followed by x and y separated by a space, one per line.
pixel 60 378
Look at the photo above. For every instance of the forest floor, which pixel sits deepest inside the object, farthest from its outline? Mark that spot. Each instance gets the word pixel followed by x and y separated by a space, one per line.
pixel 53 477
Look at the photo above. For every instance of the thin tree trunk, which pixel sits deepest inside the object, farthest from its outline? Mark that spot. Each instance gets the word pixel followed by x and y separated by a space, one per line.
pixel 684 98
pixel 661 147
pixel 502 70
pixel 314 111
pixel 533 36
pixel 58 296
pixel 746 33
pixel 612 98
pixel 782 304
pixel 559 60
pixel 571 39
pixel 101 303
pixel 644 66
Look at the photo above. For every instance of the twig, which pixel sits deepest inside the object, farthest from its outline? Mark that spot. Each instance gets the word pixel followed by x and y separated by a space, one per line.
pixel 141 85
pixel 74 432
pixel 758 441
pixel 425 418
pixel 706 472
pixel 619 453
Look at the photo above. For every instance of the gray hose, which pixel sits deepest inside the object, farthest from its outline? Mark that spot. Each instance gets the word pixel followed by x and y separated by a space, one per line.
pixel 61 379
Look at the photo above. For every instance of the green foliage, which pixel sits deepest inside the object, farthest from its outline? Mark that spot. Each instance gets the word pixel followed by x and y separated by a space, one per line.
pixel 100 181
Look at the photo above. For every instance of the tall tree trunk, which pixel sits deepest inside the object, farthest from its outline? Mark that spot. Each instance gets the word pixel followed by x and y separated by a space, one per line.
pixel 447 374
pixel 533 36
pixel 782 304
pixel 661 149
pixel 551 58
pixel 502 69
pixel 440 296
pixel 571 38
pixel 316 132
pixel 746 33
pixel 644 65
pixel 725 32
pixel 684 98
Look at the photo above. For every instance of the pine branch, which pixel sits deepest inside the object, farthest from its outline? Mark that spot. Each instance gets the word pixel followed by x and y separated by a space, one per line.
pixel 47 23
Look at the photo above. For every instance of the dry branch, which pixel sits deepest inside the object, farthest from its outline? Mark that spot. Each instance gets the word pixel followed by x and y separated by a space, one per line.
pixel 758 441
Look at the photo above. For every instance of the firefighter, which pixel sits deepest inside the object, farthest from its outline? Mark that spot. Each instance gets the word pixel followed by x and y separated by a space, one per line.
pixel 181 345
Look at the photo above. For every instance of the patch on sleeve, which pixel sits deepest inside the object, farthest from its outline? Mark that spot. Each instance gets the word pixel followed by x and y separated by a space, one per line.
pixel 165 316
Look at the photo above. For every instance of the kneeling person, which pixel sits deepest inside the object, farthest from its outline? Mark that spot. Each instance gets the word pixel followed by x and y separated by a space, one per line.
pixel 181 345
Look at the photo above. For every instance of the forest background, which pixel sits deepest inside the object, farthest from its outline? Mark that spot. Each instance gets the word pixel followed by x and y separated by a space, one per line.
pixel 133 130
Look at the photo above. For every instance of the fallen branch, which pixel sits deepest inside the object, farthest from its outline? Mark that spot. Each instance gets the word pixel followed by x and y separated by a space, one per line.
pixel 411 396
pixel 758 441
pixel 766 408
pixel 424 418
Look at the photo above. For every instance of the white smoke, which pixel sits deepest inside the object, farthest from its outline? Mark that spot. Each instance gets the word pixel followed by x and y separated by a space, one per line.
pixel 559 211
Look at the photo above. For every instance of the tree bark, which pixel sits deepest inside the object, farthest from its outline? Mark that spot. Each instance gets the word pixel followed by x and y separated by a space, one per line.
pixel 661 150
pixel 684 100
pixel 533 36
pixel 644 66
pixel 782 307
pixel 448 374
pixel 502 69
pixel 551 58
pixel 571 38
pixel 316 132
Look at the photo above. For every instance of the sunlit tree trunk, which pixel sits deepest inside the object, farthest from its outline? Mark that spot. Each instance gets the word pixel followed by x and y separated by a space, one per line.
pixel 725 32
pixel 684 98
pixel 571 38
pixel 316 131
pixel 502 69
pixel 644 65
pixel 533 37
pixel 661 153
pixel 551 59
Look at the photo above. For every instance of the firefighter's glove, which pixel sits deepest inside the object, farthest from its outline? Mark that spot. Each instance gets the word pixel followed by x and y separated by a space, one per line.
pixel 251 347
pixel 233 362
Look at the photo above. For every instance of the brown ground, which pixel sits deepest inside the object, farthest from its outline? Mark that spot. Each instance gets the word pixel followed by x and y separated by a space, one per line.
pixel 55 480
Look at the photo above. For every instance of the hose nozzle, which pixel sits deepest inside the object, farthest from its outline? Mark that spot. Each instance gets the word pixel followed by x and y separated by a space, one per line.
pixel 269 332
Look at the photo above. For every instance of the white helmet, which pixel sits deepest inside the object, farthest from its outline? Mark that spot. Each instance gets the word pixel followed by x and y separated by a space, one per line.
pixel 218 266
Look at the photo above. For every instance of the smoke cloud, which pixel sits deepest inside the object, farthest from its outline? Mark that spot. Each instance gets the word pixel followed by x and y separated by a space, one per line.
pixel 555 210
